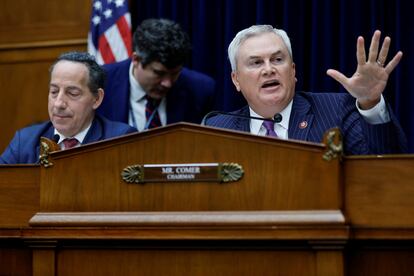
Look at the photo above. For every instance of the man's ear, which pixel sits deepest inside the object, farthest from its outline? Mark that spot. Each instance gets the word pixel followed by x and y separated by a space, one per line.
pixel 235 80
pixel 98 98
pixel 294 71
pixel 135 58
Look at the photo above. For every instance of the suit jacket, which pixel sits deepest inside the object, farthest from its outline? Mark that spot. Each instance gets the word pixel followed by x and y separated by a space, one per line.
pixel 190 98
pixel 25 146
pixel 322 111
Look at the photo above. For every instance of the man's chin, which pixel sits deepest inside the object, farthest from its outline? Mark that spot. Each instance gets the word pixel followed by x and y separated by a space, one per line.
pixel 157 94
pixel 63 129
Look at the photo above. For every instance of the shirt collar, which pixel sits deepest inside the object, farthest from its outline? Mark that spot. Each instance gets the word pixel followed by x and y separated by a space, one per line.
pixel 255 125
pixel 80 136
pixel 137 93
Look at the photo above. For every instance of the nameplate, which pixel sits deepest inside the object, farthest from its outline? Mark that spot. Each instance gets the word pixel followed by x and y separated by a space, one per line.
pixel 214 172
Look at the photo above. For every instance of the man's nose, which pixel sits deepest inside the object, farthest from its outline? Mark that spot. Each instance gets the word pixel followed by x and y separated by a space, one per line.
pixel 60 100
pixel 167 82
pixel 269 68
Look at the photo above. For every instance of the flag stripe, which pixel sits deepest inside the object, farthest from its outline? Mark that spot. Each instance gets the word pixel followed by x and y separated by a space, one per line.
pixel 99 58
pixel 114 37
pixel 91 46
pixel 106 50
pixel 125 32
pixel 109 38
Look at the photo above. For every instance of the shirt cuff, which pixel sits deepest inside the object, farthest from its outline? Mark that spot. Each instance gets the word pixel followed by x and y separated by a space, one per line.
pixel 377 115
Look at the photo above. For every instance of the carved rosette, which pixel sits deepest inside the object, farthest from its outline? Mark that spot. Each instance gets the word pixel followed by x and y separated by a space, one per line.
pixel 133 174
pixel 229 172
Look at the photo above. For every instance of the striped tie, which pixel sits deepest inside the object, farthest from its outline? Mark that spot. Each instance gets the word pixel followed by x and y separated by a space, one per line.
pixel 151 113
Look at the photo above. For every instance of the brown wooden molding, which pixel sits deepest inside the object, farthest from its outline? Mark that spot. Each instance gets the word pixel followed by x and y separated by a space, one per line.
pixel 43 44
pixel 218 218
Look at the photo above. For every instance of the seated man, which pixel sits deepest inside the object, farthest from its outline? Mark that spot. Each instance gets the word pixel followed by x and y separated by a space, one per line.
pixel 264 72
pixel 75 92
pixel 153 88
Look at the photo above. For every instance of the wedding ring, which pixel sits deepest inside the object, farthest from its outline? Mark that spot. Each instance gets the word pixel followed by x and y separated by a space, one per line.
pixel 380 63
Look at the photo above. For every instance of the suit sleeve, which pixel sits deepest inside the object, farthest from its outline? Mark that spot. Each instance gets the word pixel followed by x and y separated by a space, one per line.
pixel 361 137
pixel 386 138
pixel 11 153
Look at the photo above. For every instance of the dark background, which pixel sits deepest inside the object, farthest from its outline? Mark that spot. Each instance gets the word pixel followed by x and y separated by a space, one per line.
pixel 323 35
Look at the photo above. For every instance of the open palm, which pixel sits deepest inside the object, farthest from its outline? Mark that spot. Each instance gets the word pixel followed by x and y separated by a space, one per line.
pixel 370 78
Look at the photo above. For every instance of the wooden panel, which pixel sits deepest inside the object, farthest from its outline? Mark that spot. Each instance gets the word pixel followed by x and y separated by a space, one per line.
pixel 19 195
pixel 379 192
pixel 28 21
pixel 330 263
pixel 377 231
pixel 381 262
pixel 19 201
pixel 43 262
pixel 15 261
pixel 184 262
pixel 269 183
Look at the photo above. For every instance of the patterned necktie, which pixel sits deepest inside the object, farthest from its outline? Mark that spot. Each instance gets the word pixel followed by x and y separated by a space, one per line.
pixel 151 112
pixel 70 143
pixel 270 128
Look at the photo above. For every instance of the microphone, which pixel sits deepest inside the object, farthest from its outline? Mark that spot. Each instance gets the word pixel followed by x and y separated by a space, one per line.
pixel 276 119
pixel 56 138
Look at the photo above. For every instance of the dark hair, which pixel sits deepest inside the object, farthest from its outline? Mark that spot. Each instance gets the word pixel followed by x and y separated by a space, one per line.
pixel 161 40
pixel 96 73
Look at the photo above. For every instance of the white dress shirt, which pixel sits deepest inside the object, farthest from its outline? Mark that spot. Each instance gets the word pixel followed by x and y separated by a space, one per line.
pixel 137 101
pixel 377 115
pixel 80 137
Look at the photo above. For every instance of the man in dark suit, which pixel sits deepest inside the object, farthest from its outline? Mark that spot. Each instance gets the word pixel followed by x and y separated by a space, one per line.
pixel 264 72
pixel 155 76
pixel 75 92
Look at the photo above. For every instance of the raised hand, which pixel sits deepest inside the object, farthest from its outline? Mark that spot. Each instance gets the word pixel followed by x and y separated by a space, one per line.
pixel 371 76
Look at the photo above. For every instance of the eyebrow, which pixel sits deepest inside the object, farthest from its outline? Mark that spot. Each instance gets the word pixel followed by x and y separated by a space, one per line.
pixel 167 71
pixel 73 88
pixel 278 52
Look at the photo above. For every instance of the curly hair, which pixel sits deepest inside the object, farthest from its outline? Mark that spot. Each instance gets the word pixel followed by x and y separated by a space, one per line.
pixel 161 40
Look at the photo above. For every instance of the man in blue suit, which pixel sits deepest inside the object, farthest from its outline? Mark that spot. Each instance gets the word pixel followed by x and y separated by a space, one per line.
pixel 152 88
pixel 75 92
pixel 264 72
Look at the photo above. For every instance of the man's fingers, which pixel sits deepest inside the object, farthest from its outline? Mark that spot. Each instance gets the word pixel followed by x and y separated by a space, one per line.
pixel 373 48
pixel 382 57
pixel 360 54
pixel 393 63
pixel 338 76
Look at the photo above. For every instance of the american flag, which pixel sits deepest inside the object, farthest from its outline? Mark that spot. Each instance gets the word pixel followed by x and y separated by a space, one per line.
pixel 109 38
